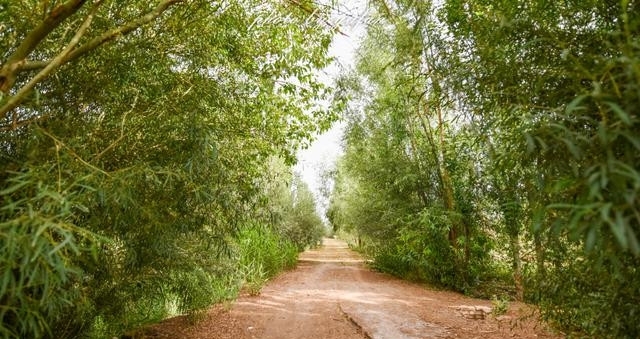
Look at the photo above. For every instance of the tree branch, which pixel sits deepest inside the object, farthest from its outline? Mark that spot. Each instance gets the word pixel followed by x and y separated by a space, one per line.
pixel 113 144
pixel 59 142
pixel 12 66
pixel 70 53
pixel 20 96
pixel 314 13
pixel 15 124
pixel 107 36
pixel 33 65
pixel 122 30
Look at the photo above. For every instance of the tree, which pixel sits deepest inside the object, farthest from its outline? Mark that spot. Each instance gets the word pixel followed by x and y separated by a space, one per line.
pixel 292 207
pixel 134 139
pixel 405 194
pixel 566 71
pixel 303 226
pixel 503 121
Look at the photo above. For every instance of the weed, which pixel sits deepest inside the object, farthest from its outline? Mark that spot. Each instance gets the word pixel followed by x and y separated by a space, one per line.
pixel 500 305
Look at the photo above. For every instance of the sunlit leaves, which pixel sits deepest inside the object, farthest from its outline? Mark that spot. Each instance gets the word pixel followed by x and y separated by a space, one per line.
pixel 544 139
pixel 155 145
pixel 566 68
pixel 41 252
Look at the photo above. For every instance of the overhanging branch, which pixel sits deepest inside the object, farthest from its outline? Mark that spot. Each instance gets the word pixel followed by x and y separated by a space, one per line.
pixel 14 63
pixel 314 13
pixel 70 53
pixel 107 36
pixel 122 30
pixel 20 96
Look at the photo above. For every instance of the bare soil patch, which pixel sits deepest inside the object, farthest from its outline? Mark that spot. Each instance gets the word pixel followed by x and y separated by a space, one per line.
pixel 332 295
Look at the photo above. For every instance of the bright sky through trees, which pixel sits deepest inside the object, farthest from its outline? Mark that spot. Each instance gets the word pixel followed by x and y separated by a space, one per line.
pixel 325 150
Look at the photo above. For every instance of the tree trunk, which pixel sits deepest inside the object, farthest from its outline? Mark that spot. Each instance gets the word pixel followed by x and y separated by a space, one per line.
pixel 540 272
pixel 517 265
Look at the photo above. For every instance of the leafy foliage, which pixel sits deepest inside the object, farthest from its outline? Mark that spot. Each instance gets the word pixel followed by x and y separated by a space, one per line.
pixel 135 140
pixel 501 137
pixel 263 254
pixel 302 226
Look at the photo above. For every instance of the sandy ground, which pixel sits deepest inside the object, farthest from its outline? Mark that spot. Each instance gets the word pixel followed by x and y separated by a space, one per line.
pixel 332 295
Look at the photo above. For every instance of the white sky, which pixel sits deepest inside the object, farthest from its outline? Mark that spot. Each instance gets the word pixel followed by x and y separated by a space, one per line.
pixel 325 150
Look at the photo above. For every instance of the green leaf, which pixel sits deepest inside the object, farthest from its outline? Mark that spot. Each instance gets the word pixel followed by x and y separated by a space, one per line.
pixel 634 245
pixel 67 240
pixel 14 188
pixel 618 228
pixel 592 236
pixel 575 104
pixel 573 149
pixel 632 138
pixel 620 113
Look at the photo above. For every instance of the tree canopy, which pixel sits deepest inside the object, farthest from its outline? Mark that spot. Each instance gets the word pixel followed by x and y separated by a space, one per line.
pixel 492 147
pixel 497 153
pixel 135 144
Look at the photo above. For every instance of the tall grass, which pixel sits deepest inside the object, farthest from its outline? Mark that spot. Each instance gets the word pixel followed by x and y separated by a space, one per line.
pixel 258 252
pixel 263 253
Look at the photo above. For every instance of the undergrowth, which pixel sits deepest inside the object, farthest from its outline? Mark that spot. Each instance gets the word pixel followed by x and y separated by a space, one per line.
pixel 258 253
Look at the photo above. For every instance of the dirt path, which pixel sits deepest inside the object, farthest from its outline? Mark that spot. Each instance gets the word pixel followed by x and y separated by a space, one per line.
pixel 332 295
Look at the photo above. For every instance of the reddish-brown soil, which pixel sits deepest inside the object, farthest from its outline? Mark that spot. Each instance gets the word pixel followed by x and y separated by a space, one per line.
pixel 332 295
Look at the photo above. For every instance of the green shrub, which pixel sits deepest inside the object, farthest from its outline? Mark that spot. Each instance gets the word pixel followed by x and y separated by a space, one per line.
pixel 590 292
pixel 263 253
pixel 421 251
pixel 500 306
pixel 41 253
